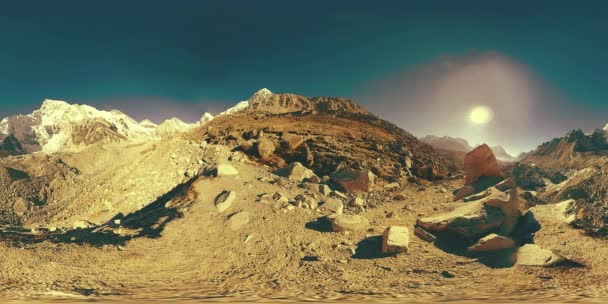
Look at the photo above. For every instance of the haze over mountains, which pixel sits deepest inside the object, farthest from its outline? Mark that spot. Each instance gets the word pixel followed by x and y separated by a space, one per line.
pixel 451 144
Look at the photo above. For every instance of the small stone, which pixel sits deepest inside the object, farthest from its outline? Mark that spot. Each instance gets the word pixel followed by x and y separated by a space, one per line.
pixel 224 200
pixel 392 186
pixel 238 220
pixel 447 274
pixel 225 170
pixel 357 202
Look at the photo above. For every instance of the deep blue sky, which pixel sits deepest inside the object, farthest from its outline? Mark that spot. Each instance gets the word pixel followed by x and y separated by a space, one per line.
pixel 144 56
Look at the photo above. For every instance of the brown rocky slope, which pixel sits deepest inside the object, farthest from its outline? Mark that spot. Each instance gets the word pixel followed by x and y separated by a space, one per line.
pixel 325 134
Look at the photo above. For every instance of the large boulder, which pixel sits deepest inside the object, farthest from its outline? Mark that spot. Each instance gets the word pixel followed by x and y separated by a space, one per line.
pixel 296 172
pixel 348 222
pixel 395 239
pixel 479 163
pixel 496 211
pixel 354 180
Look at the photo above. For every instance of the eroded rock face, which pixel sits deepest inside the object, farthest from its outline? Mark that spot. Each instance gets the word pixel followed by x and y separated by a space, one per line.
pixel 480 162
pixel 354 180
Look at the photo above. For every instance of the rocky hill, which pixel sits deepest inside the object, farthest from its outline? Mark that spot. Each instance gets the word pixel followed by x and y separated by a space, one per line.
pixel 575 150
pixel 324 134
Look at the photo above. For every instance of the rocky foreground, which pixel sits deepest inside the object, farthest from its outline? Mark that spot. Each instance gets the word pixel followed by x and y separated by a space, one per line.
pixel 295 198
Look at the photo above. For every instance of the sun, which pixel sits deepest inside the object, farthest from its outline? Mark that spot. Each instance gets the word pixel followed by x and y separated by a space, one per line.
pixel 481 115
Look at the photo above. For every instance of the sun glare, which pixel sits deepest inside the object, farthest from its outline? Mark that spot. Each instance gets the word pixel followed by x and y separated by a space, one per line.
pixel 480 115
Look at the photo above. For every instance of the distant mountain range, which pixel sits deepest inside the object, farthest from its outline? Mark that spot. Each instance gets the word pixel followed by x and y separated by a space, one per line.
pixel 457 147
pixel 574 149
pixel 59 126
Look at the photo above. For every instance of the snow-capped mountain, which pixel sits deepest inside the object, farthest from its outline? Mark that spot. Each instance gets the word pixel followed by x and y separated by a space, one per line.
pixel 256 97
pixel 174 126
pixel 59 126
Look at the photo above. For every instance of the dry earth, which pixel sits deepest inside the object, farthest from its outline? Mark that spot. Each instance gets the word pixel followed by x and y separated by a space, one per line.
pixel 286 254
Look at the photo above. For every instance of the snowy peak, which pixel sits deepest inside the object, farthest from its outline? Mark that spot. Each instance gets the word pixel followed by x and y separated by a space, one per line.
pixel 205 119
pixel 257 97
pixel 146 123
pixel 260 95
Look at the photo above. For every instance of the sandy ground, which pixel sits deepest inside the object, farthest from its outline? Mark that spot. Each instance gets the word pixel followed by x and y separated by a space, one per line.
pixel 282 256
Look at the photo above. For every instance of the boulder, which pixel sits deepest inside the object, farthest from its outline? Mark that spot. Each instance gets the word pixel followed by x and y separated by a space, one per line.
pixel 354 180
pixel 296 172
pixel 292 141
pixel 534 255
pixel 238 220
pixel 395 239
pixel 506 185
pixel 480 162
pixel 492 242
pixel 265 147
pixel 224 170
pixel 463 192
pixel 497 211
pixel 333 205
pixel 348 222
pixel 224 200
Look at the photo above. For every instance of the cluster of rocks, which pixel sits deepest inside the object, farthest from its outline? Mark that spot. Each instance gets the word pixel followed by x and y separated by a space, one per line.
pixel 487 220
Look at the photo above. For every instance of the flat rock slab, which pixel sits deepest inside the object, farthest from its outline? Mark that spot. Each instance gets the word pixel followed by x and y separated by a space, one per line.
pixel 395 239
pixel 534 255
pixel 348 222
pixel 224 200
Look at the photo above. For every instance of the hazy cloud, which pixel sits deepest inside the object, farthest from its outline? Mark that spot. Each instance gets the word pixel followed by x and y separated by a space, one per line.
pixel 437 97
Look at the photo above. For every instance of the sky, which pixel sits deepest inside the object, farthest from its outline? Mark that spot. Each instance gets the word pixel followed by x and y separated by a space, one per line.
pixel 540 66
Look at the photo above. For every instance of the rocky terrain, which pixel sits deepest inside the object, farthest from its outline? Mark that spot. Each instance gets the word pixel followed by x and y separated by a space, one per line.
pixel 289 198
